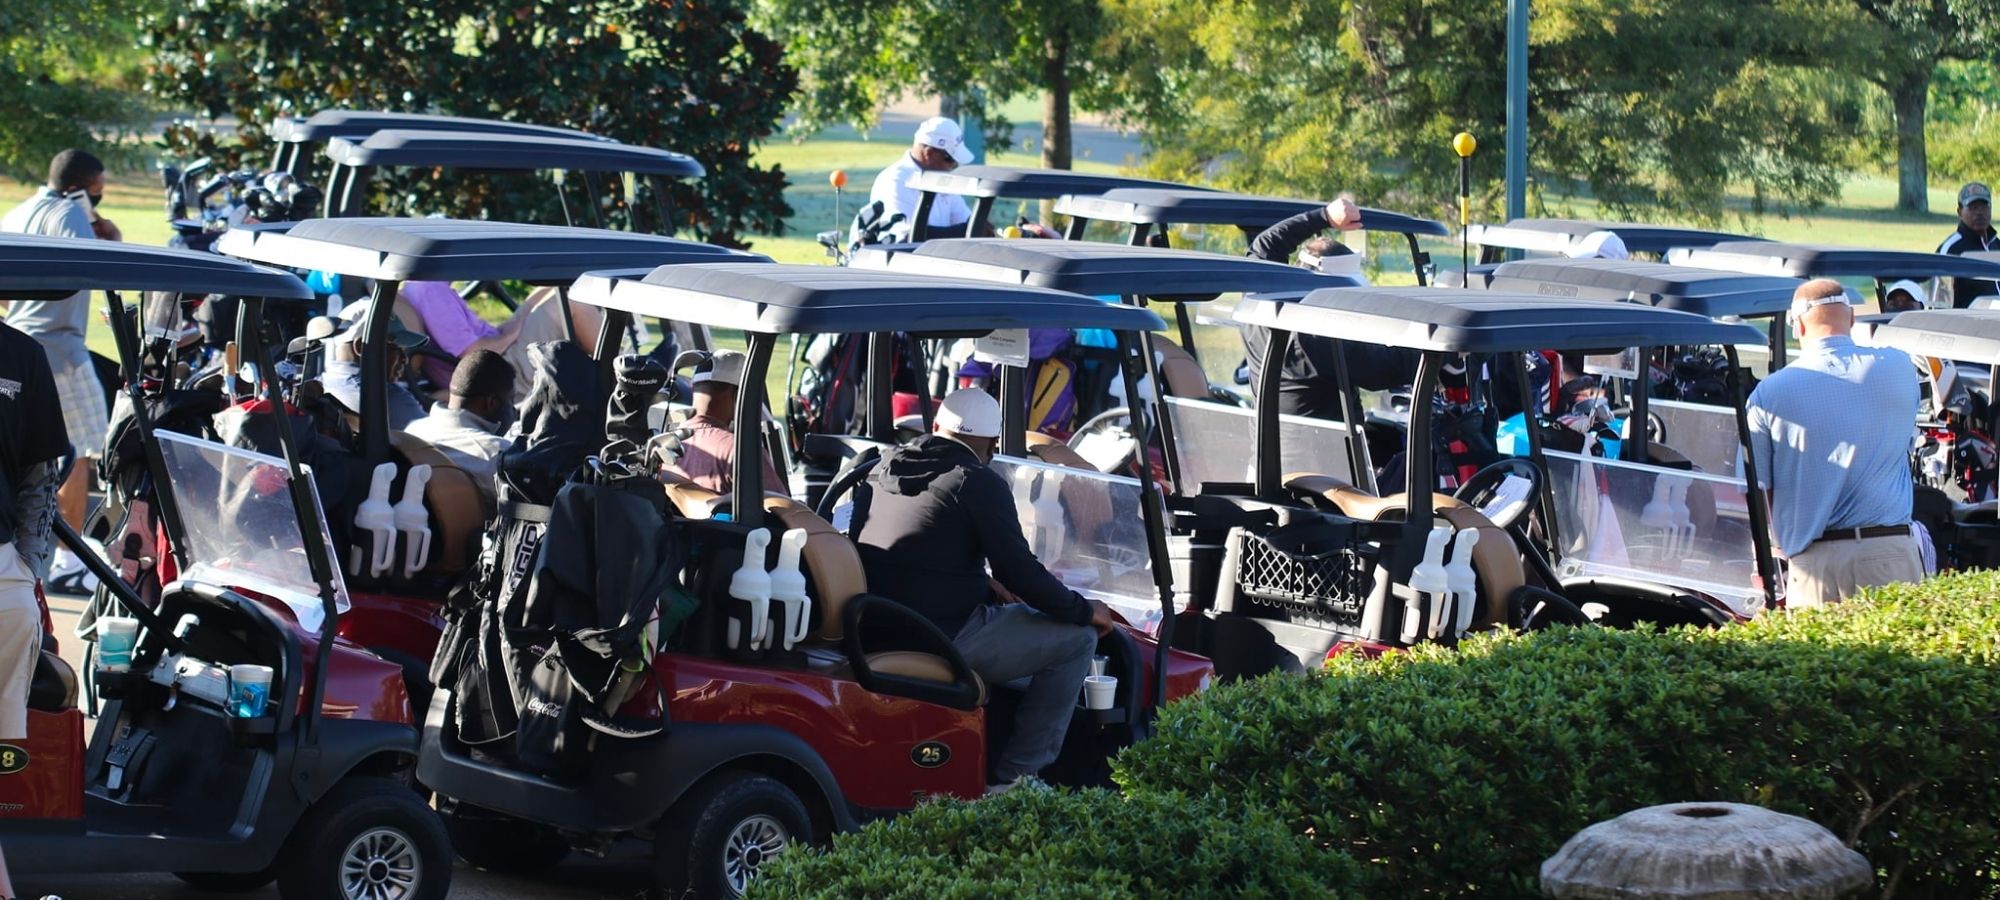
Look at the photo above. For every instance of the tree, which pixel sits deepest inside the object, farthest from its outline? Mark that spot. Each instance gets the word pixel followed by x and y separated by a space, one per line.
pixel 1905 41
pixel 1660 104
pixel 679 74
pixel 855 55
pixel 60 81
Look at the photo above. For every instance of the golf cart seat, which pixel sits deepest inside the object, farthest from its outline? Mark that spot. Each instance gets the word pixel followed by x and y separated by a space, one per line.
pixel 458 507
pixel 693 501
pixel 1495 560
pixel 1183 376
pixel 53 688
pixel 837 582
pixel 1047 448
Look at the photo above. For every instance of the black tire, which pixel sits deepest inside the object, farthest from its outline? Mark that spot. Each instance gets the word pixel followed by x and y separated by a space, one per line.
pixel 368 819
pixel 503 844
pixel 692 855
pixel 228 882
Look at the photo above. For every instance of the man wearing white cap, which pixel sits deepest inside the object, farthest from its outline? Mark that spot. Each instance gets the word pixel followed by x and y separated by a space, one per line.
pixel 1830 434
pixel 709 449
pixel 930 521
pixel 939 147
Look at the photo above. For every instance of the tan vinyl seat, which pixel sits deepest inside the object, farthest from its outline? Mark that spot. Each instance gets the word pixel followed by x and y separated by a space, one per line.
pixel 835 576
pixel 1495 560
pixel 1089 506
pixel 52 686
pixel 458 506
pixel 1183 376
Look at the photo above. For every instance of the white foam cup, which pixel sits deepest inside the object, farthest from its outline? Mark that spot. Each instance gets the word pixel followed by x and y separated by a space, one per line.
pixel 1100 691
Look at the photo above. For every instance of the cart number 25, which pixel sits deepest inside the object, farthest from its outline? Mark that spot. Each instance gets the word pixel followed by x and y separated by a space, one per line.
pixel 930 754
pixel 12 759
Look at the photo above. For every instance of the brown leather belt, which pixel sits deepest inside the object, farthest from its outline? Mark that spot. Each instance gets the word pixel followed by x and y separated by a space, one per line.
pixel 1870 531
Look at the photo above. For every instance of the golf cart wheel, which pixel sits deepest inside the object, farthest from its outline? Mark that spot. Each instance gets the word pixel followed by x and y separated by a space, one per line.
pixel 228 882
pixel 368 839
pixel 716 839
pixel 503 844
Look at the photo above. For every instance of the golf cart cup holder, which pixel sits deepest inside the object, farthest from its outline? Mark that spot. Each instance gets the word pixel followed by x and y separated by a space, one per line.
pixel 1317 570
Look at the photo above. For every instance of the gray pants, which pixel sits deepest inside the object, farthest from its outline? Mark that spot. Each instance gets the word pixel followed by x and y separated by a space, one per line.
pixel 1003 643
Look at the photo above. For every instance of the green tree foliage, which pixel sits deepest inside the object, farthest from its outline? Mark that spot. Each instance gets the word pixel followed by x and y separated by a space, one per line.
pixel 62 76
pixel 1898 45
pixel 855 55
pixel 677 74
pixel 1649 103
pixel 1962 128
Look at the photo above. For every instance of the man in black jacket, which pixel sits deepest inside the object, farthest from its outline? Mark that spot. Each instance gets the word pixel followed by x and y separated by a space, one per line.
pixel 930 521
pixel 1974 233
pixel 1307 383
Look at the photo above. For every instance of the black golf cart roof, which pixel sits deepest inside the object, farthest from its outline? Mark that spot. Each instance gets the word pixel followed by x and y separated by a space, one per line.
pixel 1558 235
pixel 1824 260
pixel 1971 335
pixel 351 123
pixel 789 299
pixel 514 152
pixel 1028 184
pixel 1185 206
pixel 1457 320
pixel 460 250
pixel 1704 292
pixel 1086 267
pixel 34 267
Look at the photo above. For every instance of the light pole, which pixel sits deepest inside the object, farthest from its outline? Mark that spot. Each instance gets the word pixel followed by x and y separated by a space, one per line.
pixel 1517 108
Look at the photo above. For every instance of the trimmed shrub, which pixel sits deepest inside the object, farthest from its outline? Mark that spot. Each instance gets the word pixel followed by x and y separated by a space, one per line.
pixel 1456 773
pixel 1033 842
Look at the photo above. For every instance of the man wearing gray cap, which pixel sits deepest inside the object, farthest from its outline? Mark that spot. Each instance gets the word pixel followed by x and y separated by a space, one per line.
pixel 1975 233
pixel 1831 437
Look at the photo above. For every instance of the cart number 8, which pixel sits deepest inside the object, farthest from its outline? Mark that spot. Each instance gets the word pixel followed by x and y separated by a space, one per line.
pixel 12 759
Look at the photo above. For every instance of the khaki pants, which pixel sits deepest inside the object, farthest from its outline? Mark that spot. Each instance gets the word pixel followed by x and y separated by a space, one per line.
pixel 1831 571
pixel 20 642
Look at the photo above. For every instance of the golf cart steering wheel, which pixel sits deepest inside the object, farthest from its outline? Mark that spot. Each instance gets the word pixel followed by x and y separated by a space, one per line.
pixel 1111 424
pixel 843 483
pixel 1483 489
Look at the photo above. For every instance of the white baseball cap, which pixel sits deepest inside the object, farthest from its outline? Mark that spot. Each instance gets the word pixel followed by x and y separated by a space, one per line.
pixel 1600 245
pixel 944 134
pixel 970 412
pixel 722 367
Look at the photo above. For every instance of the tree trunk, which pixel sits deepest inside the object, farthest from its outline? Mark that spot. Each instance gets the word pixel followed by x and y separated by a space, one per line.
pixel 1912 98
pixel 1056 147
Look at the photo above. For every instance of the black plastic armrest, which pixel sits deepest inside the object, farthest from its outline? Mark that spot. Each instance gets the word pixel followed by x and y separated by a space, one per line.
pixel 962 693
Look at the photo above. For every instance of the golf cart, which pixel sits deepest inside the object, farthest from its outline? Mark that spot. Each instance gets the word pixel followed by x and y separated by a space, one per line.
pixel 1963 529
pixel 295 136
pixel 1297 565
pixel 1203 431
pixel 397 610
pixel 988 184
pixel 1541 238
pixel 769 744
pixel 190 771
pixel 1828 261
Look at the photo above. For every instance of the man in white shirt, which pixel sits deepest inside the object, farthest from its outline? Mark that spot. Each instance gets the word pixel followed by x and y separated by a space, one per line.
pixel 467 429
pixel 939 147
pixel 67 207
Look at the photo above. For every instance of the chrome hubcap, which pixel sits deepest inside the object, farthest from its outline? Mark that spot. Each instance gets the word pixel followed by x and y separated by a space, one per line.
pixel 752 844
pixel 381 864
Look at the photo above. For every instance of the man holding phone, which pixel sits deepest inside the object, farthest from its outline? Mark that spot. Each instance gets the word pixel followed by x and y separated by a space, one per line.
pixel 67 207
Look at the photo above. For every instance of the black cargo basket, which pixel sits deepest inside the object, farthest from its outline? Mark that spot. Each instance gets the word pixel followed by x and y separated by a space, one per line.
pixel 1313 572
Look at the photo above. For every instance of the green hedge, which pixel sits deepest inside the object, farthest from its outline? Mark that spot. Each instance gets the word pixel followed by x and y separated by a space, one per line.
pixel 1034 842
pixel 1457 773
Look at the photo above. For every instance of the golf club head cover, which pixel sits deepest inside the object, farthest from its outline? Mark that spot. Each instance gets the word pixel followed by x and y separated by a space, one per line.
pixel 639 381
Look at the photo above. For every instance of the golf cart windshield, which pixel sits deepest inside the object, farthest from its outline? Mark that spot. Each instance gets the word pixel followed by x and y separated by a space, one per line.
pixel 242 528
pixel 1213 443
pixel 1684 528
pixel 1705 434
pixel 1086 528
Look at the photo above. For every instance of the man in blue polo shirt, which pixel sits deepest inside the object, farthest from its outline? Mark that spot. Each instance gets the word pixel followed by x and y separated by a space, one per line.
pixel 1830 434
